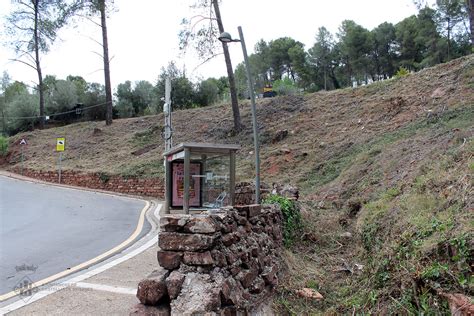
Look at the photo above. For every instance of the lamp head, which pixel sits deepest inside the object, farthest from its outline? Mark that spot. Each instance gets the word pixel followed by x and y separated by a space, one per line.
pixel 225 37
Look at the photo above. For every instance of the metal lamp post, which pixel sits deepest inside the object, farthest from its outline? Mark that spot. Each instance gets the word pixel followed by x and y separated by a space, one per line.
pixel 227 38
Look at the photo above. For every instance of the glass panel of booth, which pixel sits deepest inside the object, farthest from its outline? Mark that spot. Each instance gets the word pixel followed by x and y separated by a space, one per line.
pixel 211 175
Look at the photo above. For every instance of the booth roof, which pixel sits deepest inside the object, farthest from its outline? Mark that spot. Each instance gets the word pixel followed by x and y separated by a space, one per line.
pixel 203 148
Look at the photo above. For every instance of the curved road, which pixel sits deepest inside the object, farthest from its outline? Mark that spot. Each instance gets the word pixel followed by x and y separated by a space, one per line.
pixel 46 229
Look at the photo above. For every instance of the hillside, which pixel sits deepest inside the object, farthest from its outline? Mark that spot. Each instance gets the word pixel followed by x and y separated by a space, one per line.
pixel 384 171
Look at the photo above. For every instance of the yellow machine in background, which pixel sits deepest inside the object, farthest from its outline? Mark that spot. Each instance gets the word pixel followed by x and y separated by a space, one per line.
pixel 268 91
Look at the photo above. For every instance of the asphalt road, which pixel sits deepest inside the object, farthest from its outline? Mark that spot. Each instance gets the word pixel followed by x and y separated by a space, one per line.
pixel 45 229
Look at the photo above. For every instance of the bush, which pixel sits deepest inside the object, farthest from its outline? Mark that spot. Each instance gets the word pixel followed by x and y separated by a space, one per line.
pixel 285 87
pixel 291 217
pixel 402 72
pixel 3 146
pixel 22 113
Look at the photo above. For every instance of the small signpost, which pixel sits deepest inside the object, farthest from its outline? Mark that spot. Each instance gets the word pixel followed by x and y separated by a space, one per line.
pixel 60 144
pixel 22 143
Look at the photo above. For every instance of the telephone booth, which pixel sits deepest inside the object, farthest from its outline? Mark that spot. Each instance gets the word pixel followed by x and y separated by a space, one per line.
pixel 199 176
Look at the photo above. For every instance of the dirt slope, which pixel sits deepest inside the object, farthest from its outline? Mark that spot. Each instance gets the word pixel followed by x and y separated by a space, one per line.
pixel 389 166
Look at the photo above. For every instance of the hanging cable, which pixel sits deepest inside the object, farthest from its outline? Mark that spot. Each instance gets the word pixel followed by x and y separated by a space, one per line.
pixel 55 114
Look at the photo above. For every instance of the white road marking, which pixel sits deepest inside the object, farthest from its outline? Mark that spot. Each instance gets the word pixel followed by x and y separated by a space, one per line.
pixel 72 282
pixel 107 288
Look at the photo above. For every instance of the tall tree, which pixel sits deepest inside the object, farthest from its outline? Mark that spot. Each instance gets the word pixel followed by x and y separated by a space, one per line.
pixel 355 47
pixel 33 27
pixel 101 8
pixel 383 52
pixel 205 39
pixel 470 11
pixel 320 56
pixel 4 83
pixel 449 14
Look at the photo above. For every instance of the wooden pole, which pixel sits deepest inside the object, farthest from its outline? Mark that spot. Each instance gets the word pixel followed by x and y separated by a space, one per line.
pixel 59 169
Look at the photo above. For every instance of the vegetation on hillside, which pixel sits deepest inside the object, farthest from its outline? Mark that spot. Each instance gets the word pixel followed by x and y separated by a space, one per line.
pixel 384 171
pixel 353 56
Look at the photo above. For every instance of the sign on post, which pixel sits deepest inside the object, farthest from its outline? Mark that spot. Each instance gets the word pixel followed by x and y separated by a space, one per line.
pixel 60 143
pixel 22 143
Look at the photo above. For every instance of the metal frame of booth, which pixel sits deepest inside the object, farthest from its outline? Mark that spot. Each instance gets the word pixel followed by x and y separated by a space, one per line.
pixel 196 153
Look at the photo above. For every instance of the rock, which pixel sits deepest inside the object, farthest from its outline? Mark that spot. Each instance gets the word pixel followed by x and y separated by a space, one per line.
pixel 199 296
pixel 201 225
pixel 185 242
pixel 242 209
pixel 286 190
pixel 246 277
pixel 198 258
pixel 228 239
pixel 309 293
pixel 151 291
pixel 169 259
pixel 279 136
pixel 347 235
pixel 219 258
pixel 173 223
pixel 96 132
pixel 145 310
pixel 174 282
pixel 459 304
pixel 254 210
pixel 257 286
pixel 269 276
pixel 231 292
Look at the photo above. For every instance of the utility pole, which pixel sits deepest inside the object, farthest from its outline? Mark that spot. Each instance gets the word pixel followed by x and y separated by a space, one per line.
pixel 168 136
pixel 168 132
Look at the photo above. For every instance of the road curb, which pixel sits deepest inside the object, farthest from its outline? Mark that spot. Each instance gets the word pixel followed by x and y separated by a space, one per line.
pixel 150 213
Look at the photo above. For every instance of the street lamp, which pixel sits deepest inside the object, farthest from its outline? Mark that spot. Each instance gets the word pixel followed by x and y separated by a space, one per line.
pixel 226 38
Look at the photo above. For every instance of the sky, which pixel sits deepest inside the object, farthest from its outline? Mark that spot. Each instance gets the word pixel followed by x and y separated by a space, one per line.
pixel 143 35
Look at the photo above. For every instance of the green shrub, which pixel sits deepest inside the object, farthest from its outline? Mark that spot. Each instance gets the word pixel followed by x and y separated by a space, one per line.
pixel 291 217
pixel 285 87
pixel 402 72
pixel 3 146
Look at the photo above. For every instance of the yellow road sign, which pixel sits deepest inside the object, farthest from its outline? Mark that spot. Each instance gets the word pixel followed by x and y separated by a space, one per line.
pixel 60 142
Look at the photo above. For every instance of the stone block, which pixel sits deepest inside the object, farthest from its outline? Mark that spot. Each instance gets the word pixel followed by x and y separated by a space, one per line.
pixel 228 239
pixel 269 276
pixel 199 296
pixel 185 242
pixel 257 286
pixel 151 291
pixel 231 292
pixel 246 277
pixel 219 258
pixel 201 225
pixel 254 210
pixel 174 282
pixel 173 223
pixel 198 258
pixel 169 259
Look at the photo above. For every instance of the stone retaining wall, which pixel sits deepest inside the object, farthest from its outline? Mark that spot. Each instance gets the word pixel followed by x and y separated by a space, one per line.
pixel 220 263
pixel 153 187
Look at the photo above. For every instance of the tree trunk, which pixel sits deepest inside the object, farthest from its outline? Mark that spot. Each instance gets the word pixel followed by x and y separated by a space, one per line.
pixel 230 72
pixel 470 9
pixel 38 66
pixel 105 46
pixel 449 38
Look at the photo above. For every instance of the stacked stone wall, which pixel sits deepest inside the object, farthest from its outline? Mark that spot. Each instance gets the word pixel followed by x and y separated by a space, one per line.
pixel 221 263
pixel 152 187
